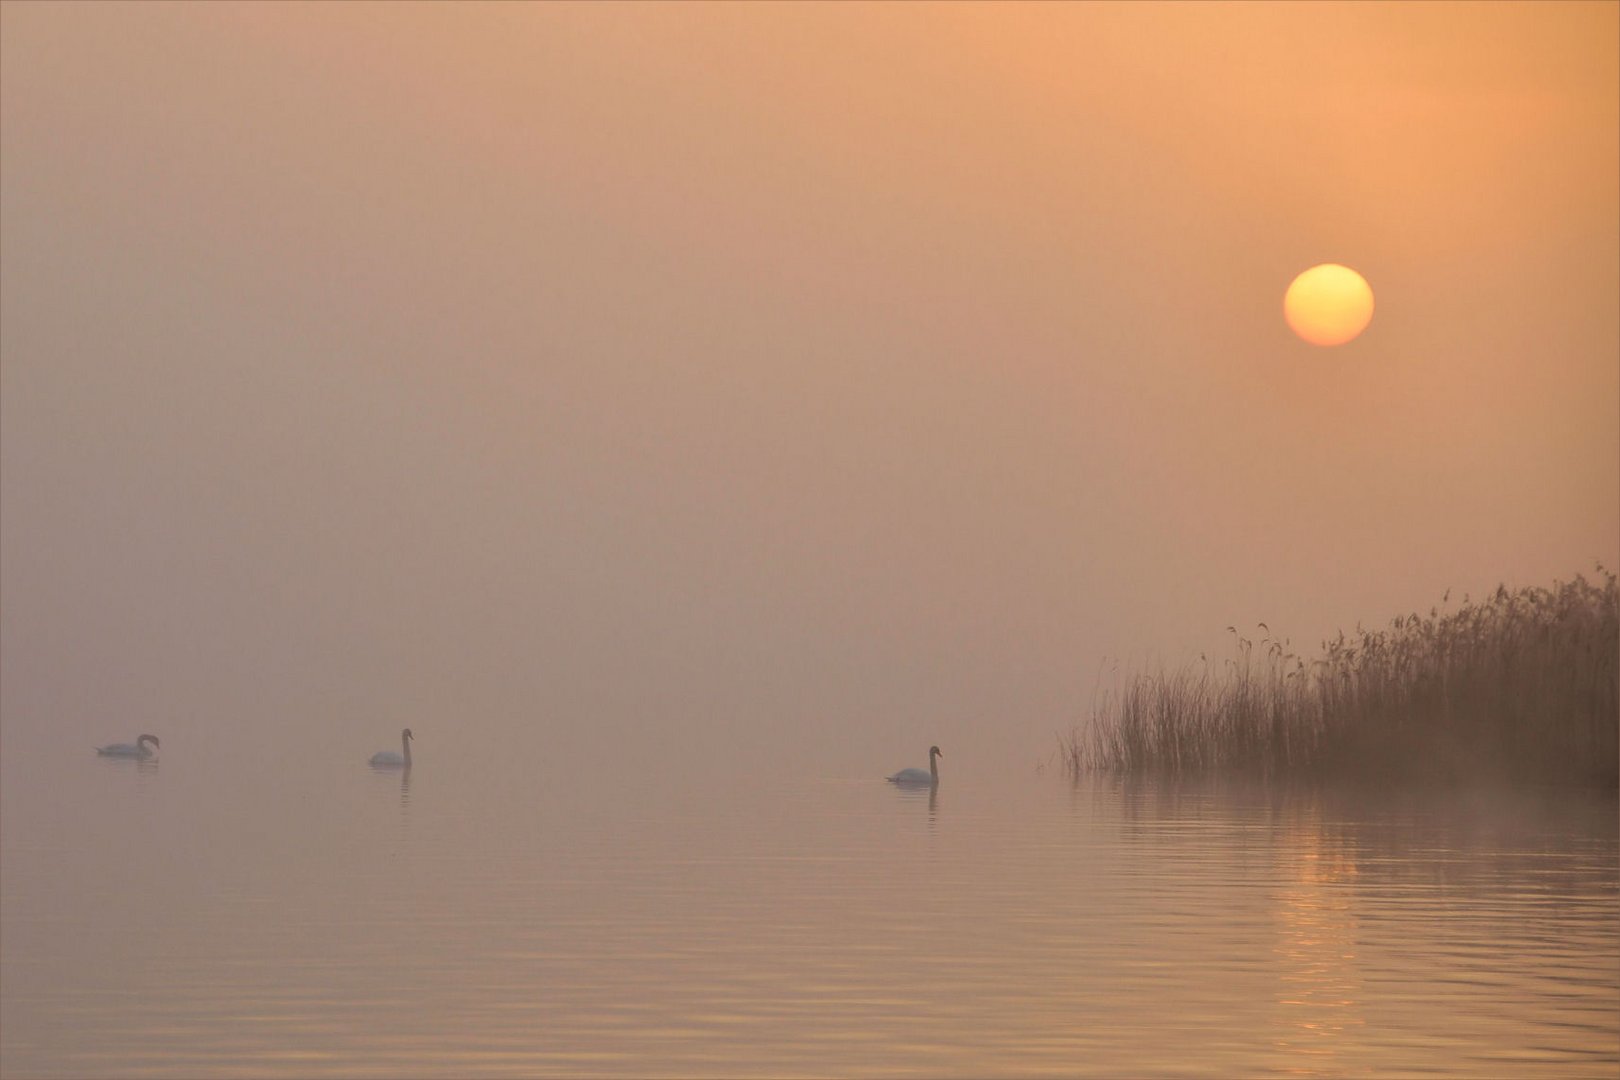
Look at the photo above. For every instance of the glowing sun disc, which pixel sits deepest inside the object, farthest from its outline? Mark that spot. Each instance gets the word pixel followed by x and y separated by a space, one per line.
pixel 1328 304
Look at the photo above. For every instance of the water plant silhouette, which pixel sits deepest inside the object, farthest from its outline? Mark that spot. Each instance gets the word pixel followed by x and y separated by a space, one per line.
pixel 1522 685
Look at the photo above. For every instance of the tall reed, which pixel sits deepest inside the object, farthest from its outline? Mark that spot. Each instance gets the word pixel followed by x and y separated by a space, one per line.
pixel 1523 685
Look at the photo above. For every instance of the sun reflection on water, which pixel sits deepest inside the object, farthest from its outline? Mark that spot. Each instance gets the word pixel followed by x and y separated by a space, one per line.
pixel 1321 981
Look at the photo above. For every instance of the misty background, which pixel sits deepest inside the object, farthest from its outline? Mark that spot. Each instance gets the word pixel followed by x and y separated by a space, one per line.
pixel 770 386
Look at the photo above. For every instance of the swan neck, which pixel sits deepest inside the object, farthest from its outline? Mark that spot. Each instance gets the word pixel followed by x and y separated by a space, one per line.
pixel 406 743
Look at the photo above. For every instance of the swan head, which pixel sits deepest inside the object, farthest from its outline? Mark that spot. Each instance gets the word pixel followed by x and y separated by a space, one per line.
pixel 407 734
pixel 934 751
pixel 153 739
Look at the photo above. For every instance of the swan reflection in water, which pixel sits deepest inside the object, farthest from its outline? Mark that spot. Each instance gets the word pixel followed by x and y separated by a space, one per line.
pixel 919 777
pixel 137 749
pixel 387 759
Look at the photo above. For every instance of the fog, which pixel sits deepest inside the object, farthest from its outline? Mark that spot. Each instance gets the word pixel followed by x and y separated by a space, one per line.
pixel 770 386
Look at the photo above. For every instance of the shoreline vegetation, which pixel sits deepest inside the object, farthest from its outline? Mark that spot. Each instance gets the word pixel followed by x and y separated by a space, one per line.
pixel 1522 686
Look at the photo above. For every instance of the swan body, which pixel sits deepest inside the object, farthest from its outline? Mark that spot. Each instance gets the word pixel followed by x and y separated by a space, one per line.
pixel 929 776
pixel 387 759
pixel 137 749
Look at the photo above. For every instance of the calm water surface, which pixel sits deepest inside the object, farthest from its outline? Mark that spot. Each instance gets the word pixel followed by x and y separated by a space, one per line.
pixel 191 919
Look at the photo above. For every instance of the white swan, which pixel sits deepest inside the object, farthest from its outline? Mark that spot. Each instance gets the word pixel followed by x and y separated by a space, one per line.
pixel 928 776
pixel 387 759
pixel 138 749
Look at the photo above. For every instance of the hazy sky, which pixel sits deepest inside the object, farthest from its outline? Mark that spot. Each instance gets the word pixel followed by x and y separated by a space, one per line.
pixel 814 379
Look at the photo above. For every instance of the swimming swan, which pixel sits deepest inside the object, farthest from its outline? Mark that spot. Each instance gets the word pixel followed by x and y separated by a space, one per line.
pixel 387 759
pixel 124 749
pixel 929 775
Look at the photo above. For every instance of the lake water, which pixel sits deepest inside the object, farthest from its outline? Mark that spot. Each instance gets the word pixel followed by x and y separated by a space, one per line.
pixel 191 919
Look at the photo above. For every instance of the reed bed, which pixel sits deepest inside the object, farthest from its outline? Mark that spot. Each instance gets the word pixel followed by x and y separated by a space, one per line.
pixel 1523 686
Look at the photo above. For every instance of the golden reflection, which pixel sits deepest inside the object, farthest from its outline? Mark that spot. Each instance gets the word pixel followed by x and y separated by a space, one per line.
pixel 1320 994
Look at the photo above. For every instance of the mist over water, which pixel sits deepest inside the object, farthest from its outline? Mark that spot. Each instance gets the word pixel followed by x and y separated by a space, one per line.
pixel 732 378
pixel 205 917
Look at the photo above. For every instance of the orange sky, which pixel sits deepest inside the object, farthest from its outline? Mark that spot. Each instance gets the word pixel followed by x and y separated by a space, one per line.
pixel 782 364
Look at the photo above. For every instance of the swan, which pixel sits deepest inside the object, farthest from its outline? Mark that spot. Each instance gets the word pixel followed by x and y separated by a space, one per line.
pixel 928 776
pixel 390 760
pixel 137 749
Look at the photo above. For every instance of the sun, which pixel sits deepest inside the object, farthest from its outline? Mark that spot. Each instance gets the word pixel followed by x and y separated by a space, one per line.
pixel 1328 304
